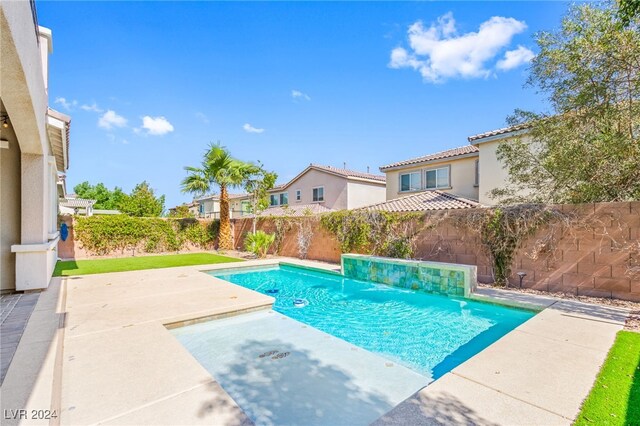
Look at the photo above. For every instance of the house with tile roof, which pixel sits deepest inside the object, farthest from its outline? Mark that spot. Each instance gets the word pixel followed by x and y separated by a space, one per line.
pixel 454 171
pixel 457 178
pixel 208 206
pixel 320 189
pixel 316 189
pixel 461 177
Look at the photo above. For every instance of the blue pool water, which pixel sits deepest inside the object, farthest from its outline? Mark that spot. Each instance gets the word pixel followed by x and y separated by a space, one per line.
pixel 427 333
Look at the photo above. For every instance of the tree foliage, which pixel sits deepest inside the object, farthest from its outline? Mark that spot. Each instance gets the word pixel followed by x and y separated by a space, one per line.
pixel 181 211
pixel 587 148
pixel 257 184
pixel 628 11
pixel 106 199
pixel 218 168
pixel 142 202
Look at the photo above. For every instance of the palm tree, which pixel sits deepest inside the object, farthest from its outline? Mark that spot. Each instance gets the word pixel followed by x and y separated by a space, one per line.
pixel 221 169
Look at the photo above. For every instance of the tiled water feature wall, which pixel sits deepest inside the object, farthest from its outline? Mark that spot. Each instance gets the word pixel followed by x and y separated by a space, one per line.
pixel 432 277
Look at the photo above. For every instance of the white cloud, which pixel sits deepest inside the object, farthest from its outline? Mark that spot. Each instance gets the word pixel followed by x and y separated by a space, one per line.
pixel 515 58
pixel 296 94
pixel 110 119
pixel 156 126
pixel 68 105
pixel 250 129
pixel 93 107
pixel 439 52
pixel 202 117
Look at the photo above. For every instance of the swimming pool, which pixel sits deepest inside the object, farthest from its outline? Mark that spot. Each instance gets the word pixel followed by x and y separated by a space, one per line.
pixel 427 333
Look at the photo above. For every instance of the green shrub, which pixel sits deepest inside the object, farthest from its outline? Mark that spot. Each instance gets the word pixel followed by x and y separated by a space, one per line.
pixel 398 248
pixel 374 232
pixel 105 234
pixel 258 243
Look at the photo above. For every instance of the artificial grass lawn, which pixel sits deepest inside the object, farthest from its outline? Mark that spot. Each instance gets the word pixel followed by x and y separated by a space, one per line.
pixel 99 266
pixel 615 397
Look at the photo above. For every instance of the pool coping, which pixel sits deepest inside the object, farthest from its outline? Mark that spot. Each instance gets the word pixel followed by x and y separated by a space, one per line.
pixel 517 408
pixel 573 338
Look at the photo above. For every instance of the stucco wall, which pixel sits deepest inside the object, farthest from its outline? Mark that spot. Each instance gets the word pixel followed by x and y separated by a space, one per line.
pixel 335 189
pixel 492 172
pixel 9 208
pixel 21 75
pixel 360 194
pixel 462 177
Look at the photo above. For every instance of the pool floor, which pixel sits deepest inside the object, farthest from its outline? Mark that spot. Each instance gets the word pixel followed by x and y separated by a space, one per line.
pixel 430 334
pixel 283 372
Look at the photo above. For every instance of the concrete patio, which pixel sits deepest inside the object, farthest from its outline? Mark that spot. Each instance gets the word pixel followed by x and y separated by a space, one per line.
pixel 97 351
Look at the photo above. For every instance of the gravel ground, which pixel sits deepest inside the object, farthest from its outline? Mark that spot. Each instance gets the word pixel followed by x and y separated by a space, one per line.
pixel 633 321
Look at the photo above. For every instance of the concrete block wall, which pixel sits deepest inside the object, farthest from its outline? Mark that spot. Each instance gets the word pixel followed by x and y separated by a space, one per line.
pixel 596 260
pixel 593 260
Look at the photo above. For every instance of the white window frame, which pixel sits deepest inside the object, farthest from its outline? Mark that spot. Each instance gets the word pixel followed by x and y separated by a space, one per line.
pixel 447 186
pixel 278 197
pixel 298 195
pixel 318 200
pixel 244 211
pixel 419 173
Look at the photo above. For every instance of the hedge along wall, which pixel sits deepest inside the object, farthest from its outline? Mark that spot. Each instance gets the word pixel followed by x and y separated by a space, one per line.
pixel 585 249
pixel 122 235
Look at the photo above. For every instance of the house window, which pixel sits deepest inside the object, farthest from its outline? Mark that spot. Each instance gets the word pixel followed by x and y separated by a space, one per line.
pixel 410 181
pixel 201 208
pixel 477 172
pixel 318 194
pixel 280 199
pixel 245 207
pixel 437 178
pixel 298 194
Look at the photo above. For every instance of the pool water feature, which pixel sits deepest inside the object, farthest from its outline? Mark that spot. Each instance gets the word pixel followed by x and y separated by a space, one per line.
pixel 427 333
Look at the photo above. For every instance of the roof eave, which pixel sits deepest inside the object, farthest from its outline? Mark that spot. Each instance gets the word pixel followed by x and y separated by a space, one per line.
pixel 373 181
pixel 476 140
pixel 392 167
pixel 58 133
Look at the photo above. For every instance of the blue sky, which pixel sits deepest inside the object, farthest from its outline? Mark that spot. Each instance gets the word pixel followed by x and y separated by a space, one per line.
pixel 150 84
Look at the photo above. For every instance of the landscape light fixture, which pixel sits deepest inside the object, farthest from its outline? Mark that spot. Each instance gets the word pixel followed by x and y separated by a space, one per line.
pixel 521 275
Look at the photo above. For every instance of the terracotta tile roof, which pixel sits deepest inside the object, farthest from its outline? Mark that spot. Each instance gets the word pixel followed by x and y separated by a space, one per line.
pixel 351 173
pixel 217 197
pixel 462 150
pixel 497 132
pixel 294 210
pixel 424 201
